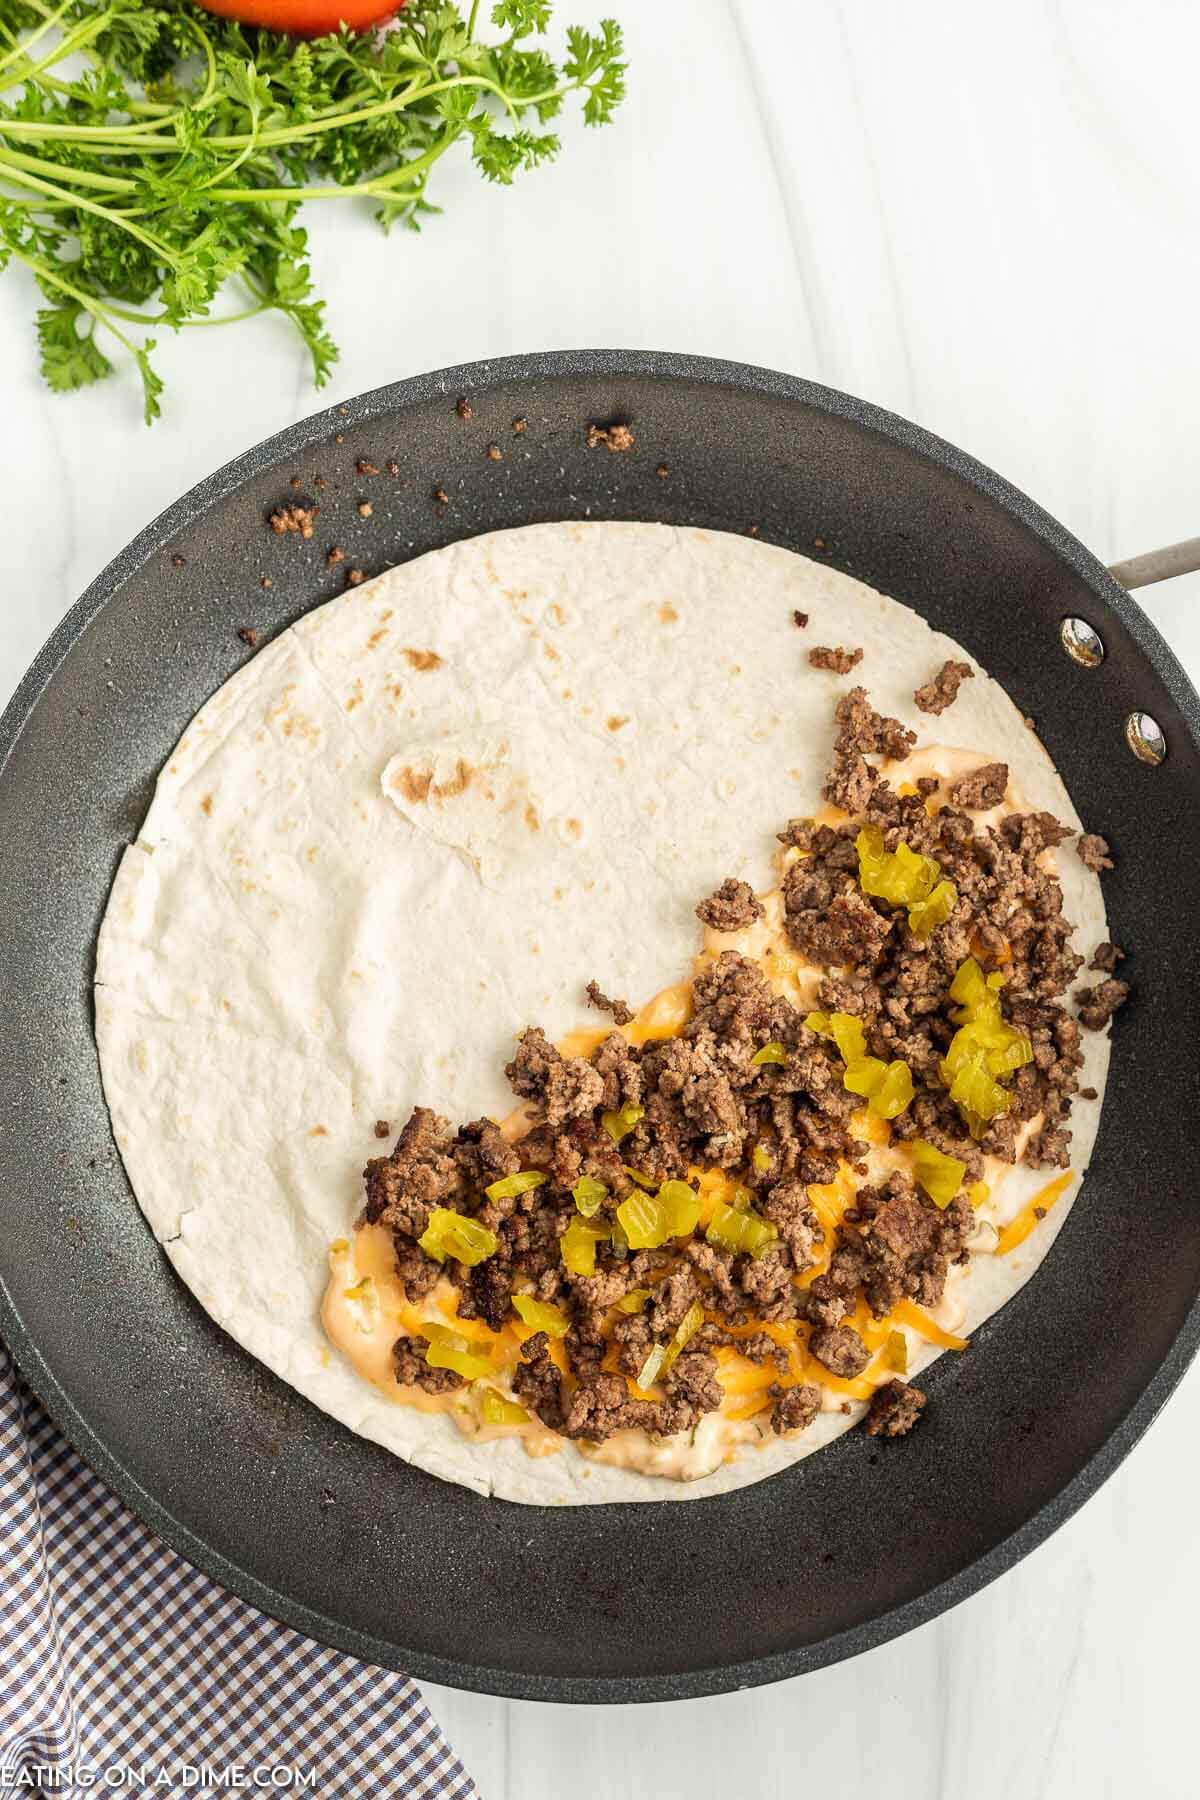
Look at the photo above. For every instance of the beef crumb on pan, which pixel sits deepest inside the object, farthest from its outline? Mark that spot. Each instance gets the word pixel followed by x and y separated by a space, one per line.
pixel 612 437
pixel 293 518
pixel 747 1113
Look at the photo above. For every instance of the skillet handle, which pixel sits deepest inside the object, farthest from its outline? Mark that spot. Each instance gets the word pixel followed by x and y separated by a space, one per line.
pixel 1158 565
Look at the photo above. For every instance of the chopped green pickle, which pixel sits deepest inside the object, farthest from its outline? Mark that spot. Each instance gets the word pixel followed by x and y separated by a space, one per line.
pixel 619 1124
pixel 447 1350
pixel 454 1234
pixel 578 1246
pixel 494 1409
pixel 588 1195
pixel 663 1356
pixel 899 876
pixel 542 1315
pixel 982 1049
pixel 508 1185
pixel 649 1220
pixel 773 1052
pixel 683 1334
pixel 634 1301
pixel 978 1192
pixel 761 1158
pixel 940 1175
pixel 846 1030
pixel 740 1230
pixel 864 1075
pixel 644 1181
pixel 886 1087
pixel 927 915
pixel 895 1352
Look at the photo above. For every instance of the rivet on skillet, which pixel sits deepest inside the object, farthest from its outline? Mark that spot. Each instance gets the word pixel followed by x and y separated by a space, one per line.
pixel 1145 738
pixel 1081 643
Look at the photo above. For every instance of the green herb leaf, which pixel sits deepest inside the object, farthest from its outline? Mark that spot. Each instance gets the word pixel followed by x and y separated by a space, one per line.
pixel 153 157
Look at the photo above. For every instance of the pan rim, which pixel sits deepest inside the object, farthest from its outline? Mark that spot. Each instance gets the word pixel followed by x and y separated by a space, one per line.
pixel 389 400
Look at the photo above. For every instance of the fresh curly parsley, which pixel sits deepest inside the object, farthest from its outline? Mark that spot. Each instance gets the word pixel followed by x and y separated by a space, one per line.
pixel 149 154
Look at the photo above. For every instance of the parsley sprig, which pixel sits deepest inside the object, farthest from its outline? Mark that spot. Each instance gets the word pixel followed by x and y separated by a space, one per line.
pixel 150 154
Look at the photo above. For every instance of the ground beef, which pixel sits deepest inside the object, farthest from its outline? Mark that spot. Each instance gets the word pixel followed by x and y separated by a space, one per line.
pixel 613 437
pixel 537 1383
pixel 419 1174
pixel 732 907
pixel 800 620
pixel 847 929
pixel 293 518
pixel 778 1127
pixel 563 1087
pixel 621 1013
pixel 982 788
pixel 942 690
pixel 408 1360
pixel 1094 852
pixel 841 1350
pixel 1105 958
pixel 1096 1005
pixel 861 732
pixel 761 1349
pixel 838 661
pixel 894 1410
pixel 794 1408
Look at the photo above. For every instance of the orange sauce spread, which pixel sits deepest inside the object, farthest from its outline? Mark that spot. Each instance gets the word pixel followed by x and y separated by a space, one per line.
pixel 365 1308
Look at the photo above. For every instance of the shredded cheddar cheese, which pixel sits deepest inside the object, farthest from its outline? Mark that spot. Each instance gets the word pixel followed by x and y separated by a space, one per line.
pixel 1018 1229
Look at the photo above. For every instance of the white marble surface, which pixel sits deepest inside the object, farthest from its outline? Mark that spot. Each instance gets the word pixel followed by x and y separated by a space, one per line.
pixel 986 218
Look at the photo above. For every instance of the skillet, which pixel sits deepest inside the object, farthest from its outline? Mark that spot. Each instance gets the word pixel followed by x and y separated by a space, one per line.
pixel 328 1532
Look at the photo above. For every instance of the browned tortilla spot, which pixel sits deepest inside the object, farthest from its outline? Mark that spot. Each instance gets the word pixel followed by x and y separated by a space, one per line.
pixel 422 659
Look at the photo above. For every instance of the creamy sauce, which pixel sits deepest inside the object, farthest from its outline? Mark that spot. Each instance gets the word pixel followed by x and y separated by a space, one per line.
pixel 365 1309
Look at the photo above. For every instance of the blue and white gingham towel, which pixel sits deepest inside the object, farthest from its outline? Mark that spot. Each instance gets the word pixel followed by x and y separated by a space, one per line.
pixel 124 1669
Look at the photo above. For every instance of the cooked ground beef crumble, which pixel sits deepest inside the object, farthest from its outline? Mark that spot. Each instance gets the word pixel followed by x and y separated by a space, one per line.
pixel 749 1088
pixel 942 690
pixel 838 661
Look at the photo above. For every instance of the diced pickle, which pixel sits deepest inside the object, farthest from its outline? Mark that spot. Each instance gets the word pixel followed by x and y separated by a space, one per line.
pixel 447 1350
pixel 741 1230
pixel 894 1092
pixel 773 1052
pixel 978 1192
pixel 649 1220
pixel 634 1301
pixel 520 1183
pixel 761 1158
pixel 684 1332
pixel 901 876
pixel 643 1181
pixel 887 1088
pixel 454 1234
pixel 588 1195
pixel 619 1124
pixel 895 1352
pixel 926 915
pixel 494 1409
pixel 846 1030
pixel 577 1246
pixel 542 1315
pixel 940 1175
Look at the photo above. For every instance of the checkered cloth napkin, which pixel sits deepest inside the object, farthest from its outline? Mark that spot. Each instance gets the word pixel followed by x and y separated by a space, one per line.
pixel 117 1655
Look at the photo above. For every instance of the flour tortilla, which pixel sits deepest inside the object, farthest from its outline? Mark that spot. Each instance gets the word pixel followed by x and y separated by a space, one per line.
pixel 420 820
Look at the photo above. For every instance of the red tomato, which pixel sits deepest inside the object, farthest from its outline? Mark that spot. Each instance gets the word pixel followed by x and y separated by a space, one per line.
pixel 306 18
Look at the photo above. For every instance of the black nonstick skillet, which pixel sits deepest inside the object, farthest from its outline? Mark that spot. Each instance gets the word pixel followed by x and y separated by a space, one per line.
pixel 329 1532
